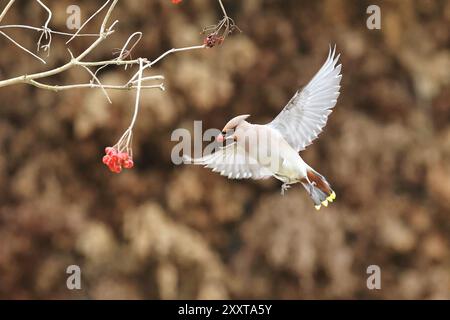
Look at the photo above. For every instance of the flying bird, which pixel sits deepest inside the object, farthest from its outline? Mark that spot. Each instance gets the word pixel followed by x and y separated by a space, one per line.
pixel 254 151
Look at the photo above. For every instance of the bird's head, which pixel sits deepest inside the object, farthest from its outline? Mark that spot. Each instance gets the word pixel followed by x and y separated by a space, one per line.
pixel 228 132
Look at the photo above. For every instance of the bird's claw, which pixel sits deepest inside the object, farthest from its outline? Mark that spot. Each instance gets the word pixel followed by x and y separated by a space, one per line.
pixel 284 188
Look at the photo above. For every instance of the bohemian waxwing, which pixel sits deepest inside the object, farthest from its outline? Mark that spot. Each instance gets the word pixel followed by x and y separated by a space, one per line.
pixel 272 150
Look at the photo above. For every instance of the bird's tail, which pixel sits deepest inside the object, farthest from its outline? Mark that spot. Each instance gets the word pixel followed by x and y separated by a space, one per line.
pixel 318 188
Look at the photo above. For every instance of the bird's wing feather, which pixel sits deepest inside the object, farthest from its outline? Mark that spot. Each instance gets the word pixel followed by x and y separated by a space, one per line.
pixel 233 162
pixel 303 118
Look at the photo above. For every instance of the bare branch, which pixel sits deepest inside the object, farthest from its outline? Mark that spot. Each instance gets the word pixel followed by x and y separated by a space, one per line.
pixel 104 32
pixel 57 88
pixel 26 78
pixel 122 149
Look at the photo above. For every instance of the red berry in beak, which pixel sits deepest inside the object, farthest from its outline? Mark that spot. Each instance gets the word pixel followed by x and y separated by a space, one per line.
pixel 220 138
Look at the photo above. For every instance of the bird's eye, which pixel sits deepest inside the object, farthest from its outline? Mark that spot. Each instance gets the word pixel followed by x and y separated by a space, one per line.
pixel 224 132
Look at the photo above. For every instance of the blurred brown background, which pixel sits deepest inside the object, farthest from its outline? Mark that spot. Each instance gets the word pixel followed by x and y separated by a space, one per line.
pixel 161 231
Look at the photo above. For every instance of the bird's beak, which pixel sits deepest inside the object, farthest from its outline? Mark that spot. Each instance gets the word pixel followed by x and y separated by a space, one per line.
pixel 220 138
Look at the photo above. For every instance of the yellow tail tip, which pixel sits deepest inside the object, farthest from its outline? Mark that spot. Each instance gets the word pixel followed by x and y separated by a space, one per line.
pixel 333 195
pixel 325 203
pixel 317 207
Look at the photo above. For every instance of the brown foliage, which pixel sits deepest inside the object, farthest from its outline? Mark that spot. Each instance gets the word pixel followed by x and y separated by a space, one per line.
pixel 165 231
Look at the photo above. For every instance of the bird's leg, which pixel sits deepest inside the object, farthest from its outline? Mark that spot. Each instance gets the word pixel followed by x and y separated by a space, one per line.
pixel 284 188
pixel 310 183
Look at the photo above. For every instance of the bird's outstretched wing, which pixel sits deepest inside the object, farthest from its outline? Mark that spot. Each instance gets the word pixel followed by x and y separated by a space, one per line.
pixel 303 118
pixel 233 162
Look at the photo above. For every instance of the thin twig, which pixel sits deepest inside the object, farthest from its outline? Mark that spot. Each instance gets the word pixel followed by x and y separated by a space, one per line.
pixel 138 93
pixel 94 78
pixel 124 53
pixel 45 31
pixel 22 47
pixel 48 11
pixel 8 5
pixel 57 88
pixel 108 14
pixel 108 62
pixel 223 8
pixel 21 26
pixel 173 50
pixel 87 21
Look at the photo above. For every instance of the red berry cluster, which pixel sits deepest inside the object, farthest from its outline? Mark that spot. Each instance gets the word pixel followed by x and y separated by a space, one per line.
pixel 212 40
pixel 116 160
pixel 176 1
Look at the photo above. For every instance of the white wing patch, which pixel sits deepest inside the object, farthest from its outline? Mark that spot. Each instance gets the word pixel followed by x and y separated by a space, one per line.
pixel 233 162
pixel 303 118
